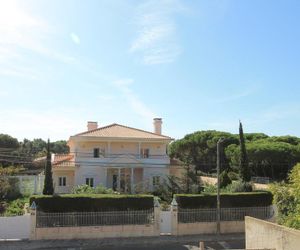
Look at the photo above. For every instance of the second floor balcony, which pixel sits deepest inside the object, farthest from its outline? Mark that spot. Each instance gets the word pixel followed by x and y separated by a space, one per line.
pixel 101 157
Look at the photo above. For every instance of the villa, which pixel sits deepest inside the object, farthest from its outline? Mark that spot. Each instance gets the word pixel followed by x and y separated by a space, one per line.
pixel 116 156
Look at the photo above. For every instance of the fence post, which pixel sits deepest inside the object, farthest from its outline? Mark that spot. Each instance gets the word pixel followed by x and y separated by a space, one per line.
pixel 33 221
pixel 156 217
pixel 174 217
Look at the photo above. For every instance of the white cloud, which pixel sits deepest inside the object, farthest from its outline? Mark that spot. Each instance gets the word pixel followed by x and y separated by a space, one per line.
pixel 21 32
pixel 75 38
pixel 156 36
pixel 124 85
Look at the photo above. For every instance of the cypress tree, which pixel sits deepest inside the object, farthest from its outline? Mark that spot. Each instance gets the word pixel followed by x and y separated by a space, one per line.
pixel 48 183
pixel 244 164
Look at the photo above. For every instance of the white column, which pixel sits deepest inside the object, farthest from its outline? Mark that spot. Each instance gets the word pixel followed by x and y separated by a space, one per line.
pixel 108 149
pixel 119 179
pixel 105 178
pixel 139 150
pixel 132 180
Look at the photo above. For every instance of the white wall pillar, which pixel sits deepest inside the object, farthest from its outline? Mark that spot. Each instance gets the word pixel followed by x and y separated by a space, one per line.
pixel 174 217
pixel 157 218
pixel 33 222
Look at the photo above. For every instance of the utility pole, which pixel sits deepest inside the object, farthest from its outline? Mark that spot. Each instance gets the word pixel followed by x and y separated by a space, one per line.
pixel 218 185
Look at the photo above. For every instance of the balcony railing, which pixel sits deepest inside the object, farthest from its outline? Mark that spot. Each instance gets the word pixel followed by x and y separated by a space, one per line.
pixel 123 155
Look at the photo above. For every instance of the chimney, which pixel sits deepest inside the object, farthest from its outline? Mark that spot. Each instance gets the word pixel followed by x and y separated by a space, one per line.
pixel 92 125
pixel 157 125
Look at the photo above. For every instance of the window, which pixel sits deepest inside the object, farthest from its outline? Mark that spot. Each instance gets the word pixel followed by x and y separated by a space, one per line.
pixel 156 180
pixel 62 181
pixel 144 152
pixel 89 182
pixel 96 153
pixel 99 152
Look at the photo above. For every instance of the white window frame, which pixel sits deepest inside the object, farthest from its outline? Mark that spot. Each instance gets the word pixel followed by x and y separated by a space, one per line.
pixel 90 181
pixel 156 180
pixel 62 181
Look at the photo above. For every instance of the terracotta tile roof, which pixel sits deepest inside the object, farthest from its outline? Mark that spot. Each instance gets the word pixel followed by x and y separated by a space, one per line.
pixel 61 159
pixel 120 131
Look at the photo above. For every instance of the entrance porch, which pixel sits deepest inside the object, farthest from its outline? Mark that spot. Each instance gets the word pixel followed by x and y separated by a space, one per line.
pixel 124 179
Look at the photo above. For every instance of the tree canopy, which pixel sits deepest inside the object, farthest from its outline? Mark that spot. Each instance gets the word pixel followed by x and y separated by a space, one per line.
pixel 267 156
pixel 15 153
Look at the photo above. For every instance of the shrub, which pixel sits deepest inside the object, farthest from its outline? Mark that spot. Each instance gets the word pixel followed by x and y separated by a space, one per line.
pixel 240 186
pixel 13 191
pixel 16 207
pixel 254 199
pixel 287 199
pixel 224 179
pixel 209 189
pixel 86 189
pixel 92 202
pixel 233 176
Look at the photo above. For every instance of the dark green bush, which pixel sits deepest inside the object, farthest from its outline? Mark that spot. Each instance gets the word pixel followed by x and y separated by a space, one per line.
pixel 14 190
pixel 253 199
pixel 224 179
pixel 92 202
pixel 241 186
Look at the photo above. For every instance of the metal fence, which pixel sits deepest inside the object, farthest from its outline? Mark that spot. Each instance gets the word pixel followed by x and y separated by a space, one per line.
pixel 227 214
pixel 81 219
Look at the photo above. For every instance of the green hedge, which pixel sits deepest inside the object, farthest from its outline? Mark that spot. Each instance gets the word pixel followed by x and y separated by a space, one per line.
pixel 248 199
pixel 92 202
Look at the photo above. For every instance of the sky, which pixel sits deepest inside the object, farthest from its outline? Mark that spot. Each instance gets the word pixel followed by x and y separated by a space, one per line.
pixel 198 65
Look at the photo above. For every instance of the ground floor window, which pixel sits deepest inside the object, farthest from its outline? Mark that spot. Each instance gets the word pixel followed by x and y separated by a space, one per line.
pixel 89 182
pixel 156 180
pixel 62 181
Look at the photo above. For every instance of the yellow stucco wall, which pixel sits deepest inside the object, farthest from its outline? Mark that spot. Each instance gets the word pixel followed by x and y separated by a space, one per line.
pixel 69 174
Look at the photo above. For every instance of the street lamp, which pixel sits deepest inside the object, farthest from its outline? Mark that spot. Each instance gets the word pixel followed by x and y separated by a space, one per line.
pixel 220 141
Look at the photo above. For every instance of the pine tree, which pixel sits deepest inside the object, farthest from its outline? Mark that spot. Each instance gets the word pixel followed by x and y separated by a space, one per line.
pixel 244 164
pixel 48 183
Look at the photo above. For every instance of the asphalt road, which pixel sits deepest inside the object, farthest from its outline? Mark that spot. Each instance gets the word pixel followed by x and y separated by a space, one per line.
pixel 211 245
pixel 211 242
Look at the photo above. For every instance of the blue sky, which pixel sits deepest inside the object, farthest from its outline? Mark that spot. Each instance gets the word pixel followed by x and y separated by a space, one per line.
pixel 197 64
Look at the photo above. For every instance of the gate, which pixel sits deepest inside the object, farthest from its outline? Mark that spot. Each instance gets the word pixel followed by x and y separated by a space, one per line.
pixel 165 223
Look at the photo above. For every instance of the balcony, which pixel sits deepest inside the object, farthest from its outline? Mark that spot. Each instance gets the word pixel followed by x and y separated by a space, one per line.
pixel 105 158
